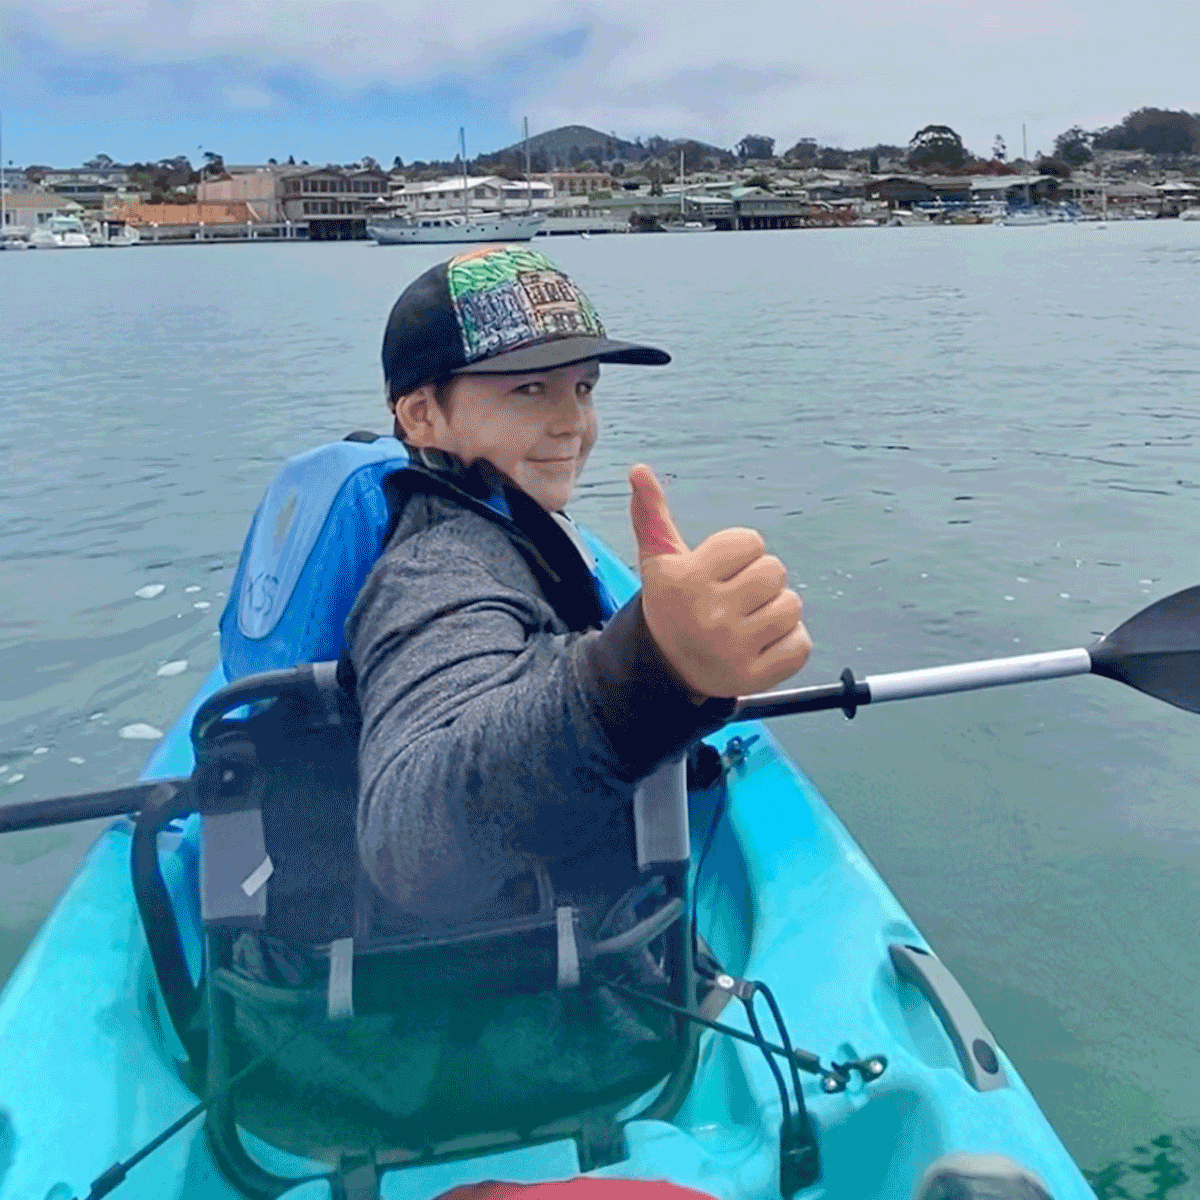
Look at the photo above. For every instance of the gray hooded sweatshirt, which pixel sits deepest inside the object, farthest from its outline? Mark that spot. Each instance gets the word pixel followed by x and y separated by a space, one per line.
pixel 491 734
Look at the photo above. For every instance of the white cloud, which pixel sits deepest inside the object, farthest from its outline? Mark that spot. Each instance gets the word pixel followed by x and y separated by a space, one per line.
pixel 875 70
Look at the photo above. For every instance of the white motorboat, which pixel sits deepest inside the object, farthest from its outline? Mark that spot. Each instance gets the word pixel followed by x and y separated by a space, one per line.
pixel 454 227
pixel 109 235
pixel 1190 214
pixel 14 239
pixel 60 233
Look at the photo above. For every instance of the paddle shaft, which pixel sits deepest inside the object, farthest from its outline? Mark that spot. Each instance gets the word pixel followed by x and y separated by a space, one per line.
pixel 850 693
pixel 63 810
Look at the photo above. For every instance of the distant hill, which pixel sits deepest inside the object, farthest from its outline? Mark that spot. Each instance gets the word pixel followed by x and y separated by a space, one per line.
pixel 570 145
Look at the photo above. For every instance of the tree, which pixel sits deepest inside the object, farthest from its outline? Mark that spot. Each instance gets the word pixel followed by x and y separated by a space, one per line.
pixel 803 153
pixel 936 146
pixel 36 173
pixel 291 160
pixel 758 181
pixel 272 162
pixel 832 159
pixel 1000 149
pixel 1153 130
pixel 1074 146
pixel 756 145
pixel 1058 167
pixel 616 169
pixel 655 174
pixel 397 163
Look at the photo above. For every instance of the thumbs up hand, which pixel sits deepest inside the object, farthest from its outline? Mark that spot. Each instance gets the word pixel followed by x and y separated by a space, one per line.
pixel 722 614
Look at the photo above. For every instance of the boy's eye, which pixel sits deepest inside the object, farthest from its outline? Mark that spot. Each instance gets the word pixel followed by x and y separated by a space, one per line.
pixel 535 388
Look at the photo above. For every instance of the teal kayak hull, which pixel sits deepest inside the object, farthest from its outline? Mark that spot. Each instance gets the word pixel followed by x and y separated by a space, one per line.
pixel 90 1069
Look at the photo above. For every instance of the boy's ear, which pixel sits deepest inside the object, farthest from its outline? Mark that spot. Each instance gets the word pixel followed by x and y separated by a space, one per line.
pixel 414 416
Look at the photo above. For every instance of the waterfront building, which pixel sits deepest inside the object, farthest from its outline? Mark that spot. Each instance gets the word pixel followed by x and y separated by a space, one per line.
pixel 488 194
pixel 1176 195
pixel 90 186
pixel 261 189
pixel 334 202
pixel 185 222
pixel 576 183
pixel 15 180
pixel 28 209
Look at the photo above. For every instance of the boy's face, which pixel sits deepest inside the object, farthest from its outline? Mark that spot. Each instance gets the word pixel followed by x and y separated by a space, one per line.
pixel 538 428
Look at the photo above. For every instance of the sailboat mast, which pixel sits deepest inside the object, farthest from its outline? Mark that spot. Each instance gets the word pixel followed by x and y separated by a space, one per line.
pixel 528 182
pixel 1025 168
pixel 681 212
pixel 462 148
pixel 3 211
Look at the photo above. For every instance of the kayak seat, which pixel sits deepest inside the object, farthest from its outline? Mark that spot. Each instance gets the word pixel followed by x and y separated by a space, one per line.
pixel 384 1035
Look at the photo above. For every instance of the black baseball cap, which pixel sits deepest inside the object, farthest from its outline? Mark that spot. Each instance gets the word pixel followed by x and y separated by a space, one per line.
pixel 496 310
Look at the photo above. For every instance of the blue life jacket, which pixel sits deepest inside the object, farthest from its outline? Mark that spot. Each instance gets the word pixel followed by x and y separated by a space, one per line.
pixel 311 545
pixel 319 529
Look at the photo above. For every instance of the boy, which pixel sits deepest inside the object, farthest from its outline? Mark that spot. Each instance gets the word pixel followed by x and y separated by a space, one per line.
pixel 493 732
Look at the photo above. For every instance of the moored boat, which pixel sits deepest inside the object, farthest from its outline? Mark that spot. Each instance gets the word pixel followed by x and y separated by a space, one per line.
pixel 60 233
pixel 453 227
pixel 91 1066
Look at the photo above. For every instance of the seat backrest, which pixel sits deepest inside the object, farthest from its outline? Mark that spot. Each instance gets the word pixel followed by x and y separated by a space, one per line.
pixel 277 789
pixel 311 545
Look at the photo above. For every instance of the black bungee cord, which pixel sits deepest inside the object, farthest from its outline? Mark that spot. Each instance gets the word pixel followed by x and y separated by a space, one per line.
pixel 103 1184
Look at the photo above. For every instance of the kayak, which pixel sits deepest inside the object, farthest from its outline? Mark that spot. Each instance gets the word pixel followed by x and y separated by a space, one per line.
pixel 91 1070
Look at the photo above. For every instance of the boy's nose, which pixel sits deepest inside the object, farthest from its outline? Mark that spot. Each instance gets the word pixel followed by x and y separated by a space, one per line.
pixel 570 414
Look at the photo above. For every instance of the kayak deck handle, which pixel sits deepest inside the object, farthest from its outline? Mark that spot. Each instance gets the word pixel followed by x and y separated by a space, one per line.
pixel 973 1042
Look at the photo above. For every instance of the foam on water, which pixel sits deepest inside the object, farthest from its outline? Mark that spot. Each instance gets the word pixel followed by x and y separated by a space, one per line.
pixel 139 731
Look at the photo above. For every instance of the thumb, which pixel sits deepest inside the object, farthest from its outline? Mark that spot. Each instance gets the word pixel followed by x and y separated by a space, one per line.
pixel 652 525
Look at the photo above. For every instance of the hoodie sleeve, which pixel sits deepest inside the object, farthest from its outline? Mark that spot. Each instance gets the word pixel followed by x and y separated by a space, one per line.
pixel 487 736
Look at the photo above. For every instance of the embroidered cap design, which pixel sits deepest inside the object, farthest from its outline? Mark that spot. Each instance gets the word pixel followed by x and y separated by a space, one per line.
pixel 506 297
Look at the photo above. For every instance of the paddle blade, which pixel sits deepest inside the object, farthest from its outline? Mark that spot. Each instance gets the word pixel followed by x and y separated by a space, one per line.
pixel 1157 651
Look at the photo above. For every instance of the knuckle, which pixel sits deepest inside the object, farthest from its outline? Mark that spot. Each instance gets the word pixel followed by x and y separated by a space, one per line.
pixel 748 540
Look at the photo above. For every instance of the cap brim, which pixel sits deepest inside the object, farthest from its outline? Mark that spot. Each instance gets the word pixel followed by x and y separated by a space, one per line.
pixel 563 352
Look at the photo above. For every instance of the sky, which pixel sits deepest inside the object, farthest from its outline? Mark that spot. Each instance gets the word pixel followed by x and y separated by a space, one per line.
pixel 334 80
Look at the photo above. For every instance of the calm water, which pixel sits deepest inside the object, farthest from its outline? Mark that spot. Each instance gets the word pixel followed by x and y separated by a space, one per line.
pixel 964 442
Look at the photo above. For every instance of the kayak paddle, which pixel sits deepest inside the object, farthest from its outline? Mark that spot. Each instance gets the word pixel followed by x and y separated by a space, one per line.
pixel 1157 652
